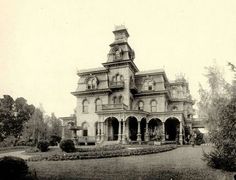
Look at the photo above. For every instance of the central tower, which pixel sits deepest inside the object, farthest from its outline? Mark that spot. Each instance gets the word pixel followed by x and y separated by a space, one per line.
pixel 120 49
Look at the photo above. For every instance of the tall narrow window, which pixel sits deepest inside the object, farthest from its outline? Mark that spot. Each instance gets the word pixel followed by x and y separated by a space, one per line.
pixel 98 105
pixel 85 129
pixel 85 106
pixel 120 99
pixel 153 106
pixel 140 105
pixel 146 85
pixel 114 100
pixel 150 85
pixel 92 83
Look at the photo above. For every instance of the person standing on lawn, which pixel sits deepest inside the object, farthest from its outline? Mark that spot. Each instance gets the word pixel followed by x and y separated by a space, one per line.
pixel 192 139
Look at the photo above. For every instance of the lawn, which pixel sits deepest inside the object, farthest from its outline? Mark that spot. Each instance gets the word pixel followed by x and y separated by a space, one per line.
pixel 181 163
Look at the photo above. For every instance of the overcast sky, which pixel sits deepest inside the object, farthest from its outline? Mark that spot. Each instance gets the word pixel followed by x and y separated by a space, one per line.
pixel 43 42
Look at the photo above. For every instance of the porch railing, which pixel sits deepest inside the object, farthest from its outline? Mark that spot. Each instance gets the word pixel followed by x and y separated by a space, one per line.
pixel 117 84
pixel 114 107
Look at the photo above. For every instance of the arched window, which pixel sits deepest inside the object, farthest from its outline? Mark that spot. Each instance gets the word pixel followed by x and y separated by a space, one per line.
pixel 114 99
pixel 85 106
pixel 140 105
pixel 146 85
pixel 153 106
pixel 113 79
pixel 117 78
pixel 85 129
pixel 150 85
pixel 120 99
pixel 92 83
pixel 98 105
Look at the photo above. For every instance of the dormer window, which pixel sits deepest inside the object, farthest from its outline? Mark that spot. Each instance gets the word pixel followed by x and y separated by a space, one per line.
pixel 148 85
pixel 92 83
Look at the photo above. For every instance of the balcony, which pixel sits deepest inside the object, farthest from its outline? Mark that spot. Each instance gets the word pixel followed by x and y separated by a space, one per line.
pixel 117 85
pixel 107 107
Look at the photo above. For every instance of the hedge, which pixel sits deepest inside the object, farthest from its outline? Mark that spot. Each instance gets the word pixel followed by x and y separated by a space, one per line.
pixel 103 154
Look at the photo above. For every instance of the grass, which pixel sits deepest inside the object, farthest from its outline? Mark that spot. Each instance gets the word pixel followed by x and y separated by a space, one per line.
pixel 181 163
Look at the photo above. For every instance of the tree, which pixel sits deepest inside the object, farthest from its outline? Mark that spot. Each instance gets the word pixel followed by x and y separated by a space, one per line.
pixel 220 108
pixel 13 114
pixel 35 129
pixel 216 95
pixel 54 129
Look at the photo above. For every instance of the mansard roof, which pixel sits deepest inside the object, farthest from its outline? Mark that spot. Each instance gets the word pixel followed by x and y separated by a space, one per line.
pixel 153 72
pixel 91 70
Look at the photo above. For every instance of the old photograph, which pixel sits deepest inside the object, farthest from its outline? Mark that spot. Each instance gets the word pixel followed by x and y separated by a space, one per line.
pixel 119 90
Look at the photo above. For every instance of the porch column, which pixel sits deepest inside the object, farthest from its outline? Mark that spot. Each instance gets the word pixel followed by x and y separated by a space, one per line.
pixel 163 132
pixel 139 133
pixel 180 133
pixel 146 133
pixel 98 132
pixel 74 134
pixel 105 131
pixel 102 131
pixel 124 133
pixel 119 131
pixel 127 131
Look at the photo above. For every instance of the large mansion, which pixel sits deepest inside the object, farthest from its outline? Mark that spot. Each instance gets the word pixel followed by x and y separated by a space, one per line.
pixel 119 103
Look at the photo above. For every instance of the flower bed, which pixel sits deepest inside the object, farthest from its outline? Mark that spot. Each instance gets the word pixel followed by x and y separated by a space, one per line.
pixel 101 148
pixel 103 154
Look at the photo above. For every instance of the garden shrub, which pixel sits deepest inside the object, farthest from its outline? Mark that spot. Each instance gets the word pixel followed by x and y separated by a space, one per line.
pixel 43 145
pixel 67 145
pixel 54 140
pixel 223 155
pixel 13 168
pixel 220 160
pixel 199 138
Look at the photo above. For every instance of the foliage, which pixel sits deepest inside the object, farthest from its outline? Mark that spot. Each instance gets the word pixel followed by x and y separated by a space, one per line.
pixel 220 108
pixel 13 115
pixel 67 145
pixel 199 137
pixel 54 140
pixel 13 168
pixel 35 129
pixel 43 145
pixel 54 124
pixel 104 154
pixel 42 126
